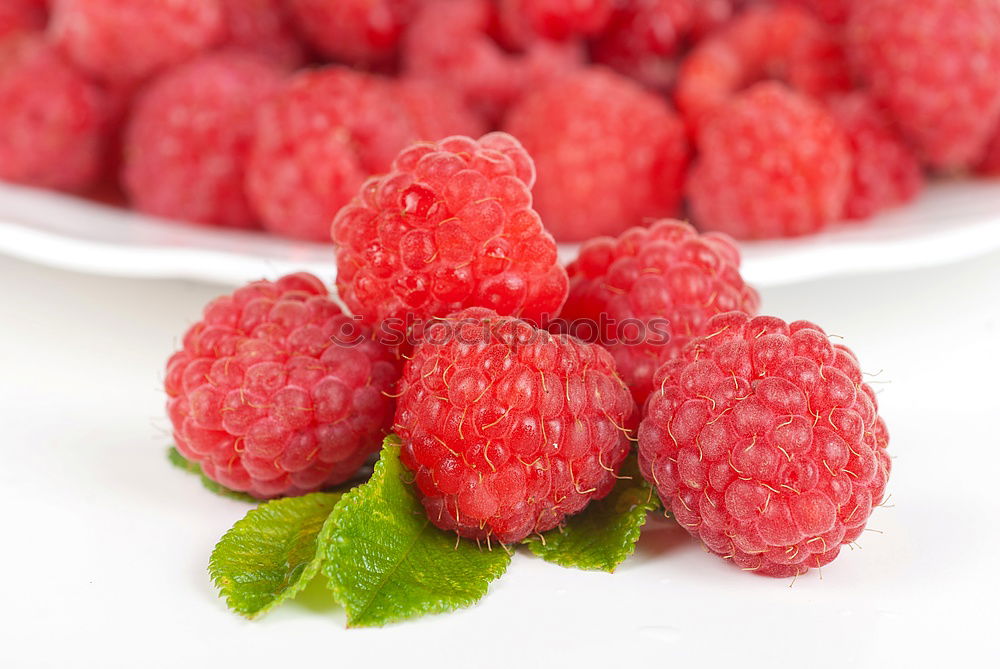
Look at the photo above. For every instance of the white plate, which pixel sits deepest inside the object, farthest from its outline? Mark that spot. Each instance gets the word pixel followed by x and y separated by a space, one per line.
pixel 952 221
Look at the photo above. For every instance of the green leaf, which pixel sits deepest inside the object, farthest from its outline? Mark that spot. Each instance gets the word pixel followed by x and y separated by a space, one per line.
pixel 179 461
pixel 385 562
pixel 271 554
pixel 604 534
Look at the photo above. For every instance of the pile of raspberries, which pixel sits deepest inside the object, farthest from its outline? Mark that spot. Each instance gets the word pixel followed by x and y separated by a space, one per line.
pixel 519 387
pixel 757 118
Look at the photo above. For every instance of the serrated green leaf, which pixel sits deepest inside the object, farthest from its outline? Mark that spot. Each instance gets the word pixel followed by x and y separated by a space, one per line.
pixel 179 461
pixel 385 562
pixel 604 534
pixel 271 554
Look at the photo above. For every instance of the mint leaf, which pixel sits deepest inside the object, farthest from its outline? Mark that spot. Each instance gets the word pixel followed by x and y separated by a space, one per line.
pixel 385 562
pixel 271 554
pixel 179 461
pixel 603 534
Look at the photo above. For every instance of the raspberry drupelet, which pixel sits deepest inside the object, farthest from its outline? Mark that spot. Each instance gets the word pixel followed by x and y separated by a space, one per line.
pixel 276 392
pixel 765 443
pixel 450 226
pixel 665 277
pixel 509 429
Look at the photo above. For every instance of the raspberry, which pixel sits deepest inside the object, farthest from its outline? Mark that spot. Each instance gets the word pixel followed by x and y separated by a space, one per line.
pixel 885 170
pixel 22 16
pixel 263 26
pixel 764 443
pixel 560 19
pixel 451 226
pixel 354 31
pixel 933 64
pixel 509 429
pixel 437 111
pixel 667 278
pixel 990 162
pixel 126 41
pixel 54 123
pixel 448 41
pixel 767 42
pixel 831 11
pixel 609 154
pixel 189 136
pixel 316 142
pixel 772 163
pixel 265 399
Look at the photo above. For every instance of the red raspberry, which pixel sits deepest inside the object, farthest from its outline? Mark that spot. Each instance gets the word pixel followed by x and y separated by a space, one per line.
pixel 266 398
pixel 126 41
pixel 990 162
pixel 560 19
pixel 437 111
pixel 764 443
pixel 354 31
pixel 22 16
pixel 831 11
pixel 885 172
pixel 53 121
pixel 315 144
pixel 666 279
pixel 766 42
pixel 451 226
pixel 934 65
pixel 772 163
pixel 609 154
pixel 509 429
pixel 449 41
pixel 263 26
pixel 189 137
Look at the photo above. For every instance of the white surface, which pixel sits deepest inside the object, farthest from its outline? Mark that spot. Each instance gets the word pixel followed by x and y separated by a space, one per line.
pixel 951 222
pixel 104 545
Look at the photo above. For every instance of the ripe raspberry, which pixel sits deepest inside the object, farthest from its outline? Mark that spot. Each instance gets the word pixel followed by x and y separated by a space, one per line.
pixel 560 19
pixel 437 111
pixel 764 442
pixel 667 278
pixel 609 154
pixel 316 142
pixel 22 16
pixel 885 170
pixel 509 429
pixel 449 42
pixel 189 137
pixel 126 41
pixel 933 64
pixel 267 401
pixel 772 163
pixel 361 32
pixel 767 42
pixel 451 226
pixel 263 26
pixel 831 11
pixel 54 123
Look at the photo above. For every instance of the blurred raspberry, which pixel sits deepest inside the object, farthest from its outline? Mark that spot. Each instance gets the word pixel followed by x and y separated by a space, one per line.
pixel 560 19
pixel 189 137
pixel 509 429
pixel 831 11
pixel 315 144
pixel 22 16
pixel 609 154
pixel 767 42
pixel 933 64
pixel 989 164
pixel 885 170
pixel 437 111
pixel 450 226
pixel 667 278
pixel 270 396
pixel 126 41
pixel 771 163
pixel 263 26
pixel 360 32
pixel 765 443
pixel 450 42
pixel 54 123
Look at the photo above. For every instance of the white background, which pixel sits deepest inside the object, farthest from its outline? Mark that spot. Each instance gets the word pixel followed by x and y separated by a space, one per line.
pixel 104 545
